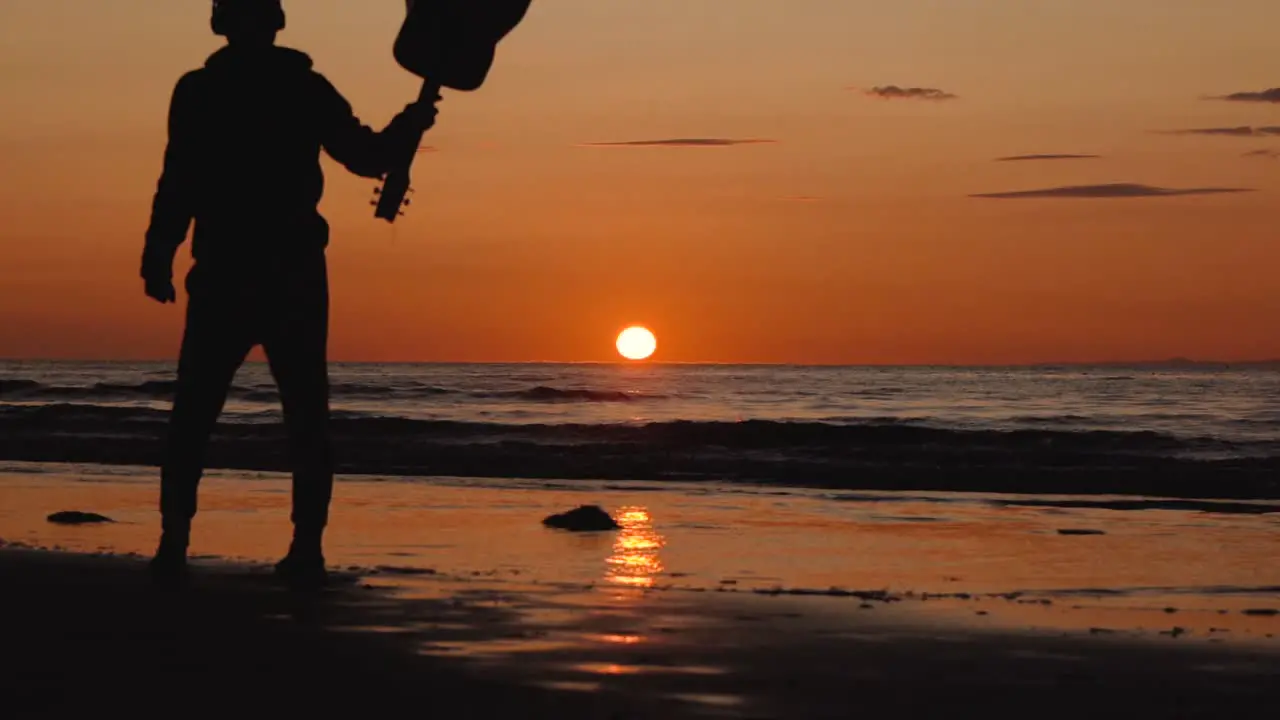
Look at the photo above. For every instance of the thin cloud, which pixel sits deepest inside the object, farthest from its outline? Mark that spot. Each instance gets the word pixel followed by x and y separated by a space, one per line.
pixel 1242 131
pixel 683 142
pixel 1114 190
pixel 1265 96
pixel 1047 156
pixel 893 92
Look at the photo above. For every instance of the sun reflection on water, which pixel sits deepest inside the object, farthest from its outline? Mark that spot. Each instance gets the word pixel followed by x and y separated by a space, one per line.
pixel 635 561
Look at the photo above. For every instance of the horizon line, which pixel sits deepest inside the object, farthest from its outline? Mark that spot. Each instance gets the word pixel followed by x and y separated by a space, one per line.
pixel 1166 362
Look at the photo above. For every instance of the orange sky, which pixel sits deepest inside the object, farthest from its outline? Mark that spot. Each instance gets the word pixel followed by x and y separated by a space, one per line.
pixel 527 245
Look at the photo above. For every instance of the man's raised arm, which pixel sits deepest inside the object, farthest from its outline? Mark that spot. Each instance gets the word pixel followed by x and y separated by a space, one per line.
pixel 358 147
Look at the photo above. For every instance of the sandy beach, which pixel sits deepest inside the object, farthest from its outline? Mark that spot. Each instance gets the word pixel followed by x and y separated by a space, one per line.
pixel 452 600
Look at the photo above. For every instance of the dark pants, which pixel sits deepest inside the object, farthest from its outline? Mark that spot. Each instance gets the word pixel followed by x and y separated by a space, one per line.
pixel 228 314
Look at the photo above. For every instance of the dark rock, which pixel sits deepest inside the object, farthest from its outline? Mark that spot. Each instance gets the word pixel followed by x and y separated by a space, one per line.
pixel 588 518
pixel 75 517
pixel 1070 531
pixel 1262 612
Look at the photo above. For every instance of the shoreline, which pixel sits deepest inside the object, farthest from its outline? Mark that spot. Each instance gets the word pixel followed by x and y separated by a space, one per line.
pixel 709 538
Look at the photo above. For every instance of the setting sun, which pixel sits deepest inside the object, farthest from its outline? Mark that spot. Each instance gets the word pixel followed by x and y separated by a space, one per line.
pixel 636 343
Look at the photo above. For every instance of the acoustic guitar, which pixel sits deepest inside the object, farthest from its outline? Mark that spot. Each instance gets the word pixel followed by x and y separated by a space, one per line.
pixel 449 44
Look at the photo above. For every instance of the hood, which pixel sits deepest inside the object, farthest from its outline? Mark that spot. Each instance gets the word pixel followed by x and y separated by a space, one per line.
pixel 258 59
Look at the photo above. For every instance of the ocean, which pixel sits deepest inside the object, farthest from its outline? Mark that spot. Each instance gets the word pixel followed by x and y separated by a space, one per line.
pixel 1130 487
pixel 1178 431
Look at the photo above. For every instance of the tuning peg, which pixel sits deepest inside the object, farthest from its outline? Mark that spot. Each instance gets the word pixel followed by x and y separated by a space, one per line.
pixel 405 203
pixel 373 203
pixel 377 191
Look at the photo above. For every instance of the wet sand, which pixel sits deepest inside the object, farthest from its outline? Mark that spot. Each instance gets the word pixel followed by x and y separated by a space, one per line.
pixel 88 634
pixel 1146 552
pixel 736 602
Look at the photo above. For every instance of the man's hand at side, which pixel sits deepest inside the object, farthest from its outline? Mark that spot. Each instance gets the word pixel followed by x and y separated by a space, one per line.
pixel 160 289
pixel 157 275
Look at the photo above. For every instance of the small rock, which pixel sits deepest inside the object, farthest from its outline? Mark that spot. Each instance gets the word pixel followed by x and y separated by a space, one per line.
pixel 588 518
pixel 75 517
pixel 1262 612
pixel 1071 531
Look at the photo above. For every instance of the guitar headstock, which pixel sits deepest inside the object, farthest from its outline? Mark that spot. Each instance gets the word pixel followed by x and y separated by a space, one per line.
pixel 388 208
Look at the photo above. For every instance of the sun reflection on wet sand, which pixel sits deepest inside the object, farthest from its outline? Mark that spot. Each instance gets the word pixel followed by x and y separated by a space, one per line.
pixel 605 669
pixel 615 639
pixel 635 561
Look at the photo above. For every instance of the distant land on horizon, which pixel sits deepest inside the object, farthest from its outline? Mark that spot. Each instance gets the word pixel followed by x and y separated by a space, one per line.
pixel 1169 363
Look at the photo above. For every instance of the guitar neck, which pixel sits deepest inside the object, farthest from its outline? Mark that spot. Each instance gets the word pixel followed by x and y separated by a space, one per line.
pixel 396 184
pixel 430 91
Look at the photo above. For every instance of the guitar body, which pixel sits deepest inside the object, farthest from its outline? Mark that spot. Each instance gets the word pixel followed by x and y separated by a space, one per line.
pixel 449 44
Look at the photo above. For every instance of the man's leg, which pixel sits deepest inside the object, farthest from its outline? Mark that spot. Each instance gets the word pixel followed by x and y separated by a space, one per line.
pixel 213 348
pixel 296 345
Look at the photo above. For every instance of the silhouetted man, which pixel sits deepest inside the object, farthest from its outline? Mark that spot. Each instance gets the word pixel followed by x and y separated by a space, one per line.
pixel 243 164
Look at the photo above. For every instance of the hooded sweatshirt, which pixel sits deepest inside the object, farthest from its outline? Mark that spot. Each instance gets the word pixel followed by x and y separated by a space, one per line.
pixel 243 161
